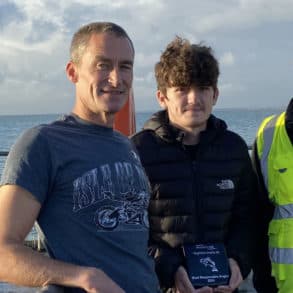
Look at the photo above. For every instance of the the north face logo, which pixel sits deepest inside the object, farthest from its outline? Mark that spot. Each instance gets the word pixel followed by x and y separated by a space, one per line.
pixel 226 184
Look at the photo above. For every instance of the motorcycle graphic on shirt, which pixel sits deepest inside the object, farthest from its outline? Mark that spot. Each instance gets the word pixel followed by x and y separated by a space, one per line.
pixel 117 195
pixel 130 211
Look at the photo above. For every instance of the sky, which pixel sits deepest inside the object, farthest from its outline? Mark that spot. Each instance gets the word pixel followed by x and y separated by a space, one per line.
pixel 252 39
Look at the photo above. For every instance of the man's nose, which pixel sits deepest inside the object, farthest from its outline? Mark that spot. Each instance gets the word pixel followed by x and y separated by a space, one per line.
pixel 114 77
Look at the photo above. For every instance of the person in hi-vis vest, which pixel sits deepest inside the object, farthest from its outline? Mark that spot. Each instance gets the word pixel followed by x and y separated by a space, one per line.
pixel 273 158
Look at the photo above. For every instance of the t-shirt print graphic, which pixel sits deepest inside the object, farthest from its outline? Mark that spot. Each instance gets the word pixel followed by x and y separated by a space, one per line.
pixel 120 194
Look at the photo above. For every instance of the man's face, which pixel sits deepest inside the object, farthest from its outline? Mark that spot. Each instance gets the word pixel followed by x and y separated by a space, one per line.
pixel 189 108
pixel 103 77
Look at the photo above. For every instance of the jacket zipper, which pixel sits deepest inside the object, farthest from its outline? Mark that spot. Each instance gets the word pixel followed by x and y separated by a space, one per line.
pixel 195 194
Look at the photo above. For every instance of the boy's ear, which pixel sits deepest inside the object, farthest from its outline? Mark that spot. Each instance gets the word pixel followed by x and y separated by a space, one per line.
pixel 161 99
pixel 71 72
pixel 216 95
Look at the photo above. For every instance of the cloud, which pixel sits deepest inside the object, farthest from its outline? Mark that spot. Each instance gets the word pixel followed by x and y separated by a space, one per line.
pixel 44 47
pixel 227 88
pixel 252 34
pixel 145 59
pixel 246 13
pixel 9 13
pixel 148 77
pixel 43 11
pixel 2 77
pixel 227 59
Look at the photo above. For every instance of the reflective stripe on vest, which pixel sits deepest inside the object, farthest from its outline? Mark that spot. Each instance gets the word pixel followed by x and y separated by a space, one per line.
pixel 281 255
pixel 283 212
pixel 268 134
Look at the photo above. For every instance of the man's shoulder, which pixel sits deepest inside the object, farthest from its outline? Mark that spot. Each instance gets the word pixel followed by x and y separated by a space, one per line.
pixel 120 136
pixel 38 130
pixel 33 133
pixel 36 136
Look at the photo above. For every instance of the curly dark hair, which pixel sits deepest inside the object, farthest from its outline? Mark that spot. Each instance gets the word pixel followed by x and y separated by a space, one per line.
pixel 183 64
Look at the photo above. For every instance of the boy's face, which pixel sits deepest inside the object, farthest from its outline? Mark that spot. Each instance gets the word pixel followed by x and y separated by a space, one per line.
pixel 189 107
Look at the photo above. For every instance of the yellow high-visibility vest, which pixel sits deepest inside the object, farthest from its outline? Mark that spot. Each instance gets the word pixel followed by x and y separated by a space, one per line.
pixel 275 152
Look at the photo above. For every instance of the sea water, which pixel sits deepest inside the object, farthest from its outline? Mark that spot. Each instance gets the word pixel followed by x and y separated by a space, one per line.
pixel 243 121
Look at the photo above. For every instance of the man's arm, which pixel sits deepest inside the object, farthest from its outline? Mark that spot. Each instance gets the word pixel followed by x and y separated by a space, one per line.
pixel 21 265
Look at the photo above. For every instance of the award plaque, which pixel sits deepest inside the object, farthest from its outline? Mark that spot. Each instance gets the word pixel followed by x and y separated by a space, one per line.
pixel 207 264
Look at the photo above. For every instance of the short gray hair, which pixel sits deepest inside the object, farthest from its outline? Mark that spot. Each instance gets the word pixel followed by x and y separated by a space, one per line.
pixel 81 38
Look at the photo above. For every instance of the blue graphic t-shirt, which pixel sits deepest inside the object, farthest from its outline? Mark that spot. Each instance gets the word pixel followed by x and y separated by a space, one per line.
pixel 94 196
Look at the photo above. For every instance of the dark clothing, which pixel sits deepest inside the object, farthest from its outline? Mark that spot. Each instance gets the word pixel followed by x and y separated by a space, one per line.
pixel 199 194
pixel 263 281
pixel 289 120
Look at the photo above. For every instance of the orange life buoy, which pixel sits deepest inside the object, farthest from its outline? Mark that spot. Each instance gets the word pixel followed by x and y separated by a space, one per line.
pixel 125 118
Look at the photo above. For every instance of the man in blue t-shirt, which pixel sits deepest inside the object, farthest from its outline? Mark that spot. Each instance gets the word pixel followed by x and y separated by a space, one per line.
pixel 82 182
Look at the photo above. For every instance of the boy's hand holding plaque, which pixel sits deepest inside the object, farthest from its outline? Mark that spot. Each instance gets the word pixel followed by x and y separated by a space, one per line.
pixel 207 264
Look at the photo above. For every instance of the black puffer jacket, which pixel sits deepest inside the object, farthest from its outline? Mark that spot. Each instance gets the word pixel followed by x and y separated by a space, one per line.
pixel 205 199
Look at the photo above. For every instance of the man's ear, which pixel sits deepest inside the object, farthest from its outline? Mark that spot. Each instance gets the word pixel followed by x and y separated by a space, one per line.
pixel 161 99
pixel 216 95
pixel 71 72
